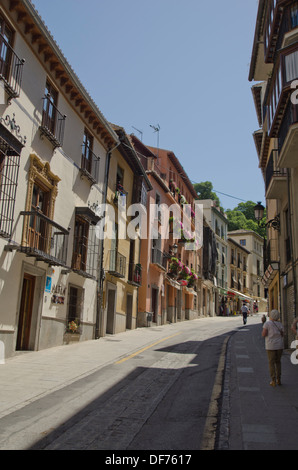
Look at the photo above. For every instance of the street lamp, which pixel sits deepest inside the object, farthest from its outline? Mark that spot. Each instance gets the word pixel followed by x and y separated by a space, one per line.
pixel 174 249
pixel 259 214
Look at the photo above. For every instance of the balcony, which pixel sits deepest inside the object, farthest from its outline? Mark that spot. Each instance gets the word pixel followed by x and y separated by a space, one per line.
pixel 11 69
pixel 120 191
pixel 159 259
pixel 275 178
pixel 117 265
pixel 279 90
pixel 271 254
pixel 89 164
pixel 43 239
pixel 53 123
pixel 86 253
pixel 135 274
pixel 288 138
pixel 272 26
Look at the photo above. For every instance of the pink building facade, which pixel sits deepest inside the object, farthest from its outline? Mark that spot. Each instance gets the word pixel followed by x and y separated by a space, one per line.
pixel 171 273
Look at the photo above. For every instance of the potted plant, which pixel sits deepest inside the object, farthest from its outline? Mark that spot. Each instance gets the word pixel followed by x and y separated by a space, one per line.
pixel 185 273
pixel 192 279
pixel 175 267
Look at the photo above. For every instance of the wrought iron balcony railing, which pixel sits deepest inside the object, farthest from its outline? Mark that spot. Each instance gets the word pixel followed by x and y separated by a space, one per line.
pixel 89 164
pixel 117 266
pixel 159 258
pixel 272 170
pixel 44 239
pixel 11 68
pixel 53 122
pixel 135 274
pixel 85 254
pixel 279 89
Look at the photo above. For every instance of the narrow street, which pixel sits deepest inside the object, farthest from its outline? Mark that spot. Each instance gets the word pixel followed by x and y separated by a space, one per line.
pixel 157 396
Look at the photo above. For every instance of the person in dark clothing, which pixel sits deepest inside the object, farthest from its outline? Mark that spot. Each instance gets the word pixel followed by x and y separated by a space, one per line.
pixel 244 311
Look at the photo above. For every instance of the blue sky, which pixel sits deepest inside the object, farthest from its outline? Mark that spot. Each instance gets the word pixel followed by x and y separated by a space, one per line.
pixel 179 64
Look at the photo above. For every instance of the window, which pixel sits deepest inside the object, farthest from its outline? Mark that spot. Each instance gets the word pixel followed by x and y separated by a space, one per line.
pixel 50 107
pixel 38 227
pixel 6 37
pixel 87 152
pixel 120 177
pixel 85 244
pixel 80 248
pixel 258 268
pixel 291 66
pixel 53 122
pixel 243 242
pixel 9 170
pixel 75 304
pixel 294 15
pixel 41 196
pixel 157 204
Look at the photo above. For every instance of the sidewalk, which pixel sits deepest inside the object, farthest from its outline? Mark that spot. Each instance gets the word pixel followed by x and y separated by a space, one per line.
pixel 256 416
pixel 29 376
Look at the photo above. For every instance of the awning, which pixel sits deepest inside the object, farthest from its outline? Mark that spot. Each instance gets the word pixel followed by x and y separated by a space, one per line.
pixel 239 294
pixel 88 214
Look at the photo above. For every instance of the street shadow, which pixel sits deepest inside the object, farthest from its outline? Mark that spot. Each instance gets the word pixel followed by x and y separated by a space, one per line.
pixel 150 408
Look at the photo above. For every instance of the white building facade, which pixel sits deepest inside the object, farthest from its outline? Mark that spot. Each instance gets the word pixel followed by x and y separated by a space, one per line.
pixel 53 147
pixel 254 243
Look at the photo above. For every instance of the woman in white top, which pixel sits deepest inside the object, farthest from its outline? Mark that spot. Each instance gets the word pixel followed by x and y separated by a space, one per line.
pixel 273 333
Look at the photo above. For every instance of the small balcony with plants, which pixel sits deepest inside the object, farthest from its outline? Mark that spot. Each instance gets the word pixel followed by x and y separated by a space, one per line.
pixel 135 274
pixel 180 272
pixel 119 193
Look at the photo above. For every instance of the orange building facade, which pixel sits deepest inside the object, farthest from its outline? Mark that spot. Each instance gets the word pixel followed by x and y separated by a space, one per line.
pixel 171 271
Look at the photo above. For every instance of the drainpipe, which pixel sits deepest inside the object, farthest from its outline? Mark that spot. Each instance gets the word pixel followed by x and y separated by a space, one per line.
pixel 100 270
pixel 291 246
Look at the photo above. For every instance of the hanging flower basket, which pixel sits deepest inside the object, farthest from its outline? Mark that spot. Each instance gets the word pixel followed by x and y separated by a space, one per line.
pixel 192 279
pixel 185 273
pixel 175 267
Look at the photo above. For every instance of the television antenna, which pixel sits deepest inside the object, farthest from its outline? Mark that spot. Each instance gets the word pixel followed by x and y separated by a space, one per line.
pixel 157 130
pixel 140 132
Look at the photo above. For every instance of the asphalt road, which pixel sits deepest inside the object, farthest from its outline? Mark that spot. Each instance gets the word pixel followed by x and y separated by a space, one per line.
pixel 163 396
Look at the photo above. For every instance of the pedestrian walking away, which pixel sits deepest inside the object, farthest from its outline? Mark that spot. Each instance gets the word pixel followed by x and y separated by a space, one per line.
pixel 273 332
pixel 244 311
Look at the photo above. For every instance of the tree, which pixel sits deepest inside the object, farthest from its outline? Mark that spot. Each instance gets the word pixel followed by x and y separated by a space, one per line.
pixel 247 208
pixel 243 218
pixel 204 190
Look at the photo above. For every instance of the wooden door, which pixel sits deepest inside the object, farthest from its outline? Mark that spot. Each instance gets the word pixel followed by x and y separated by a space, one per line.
pixel 25 317
pixel 154 304
pixel 129 308
pixel 111 311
